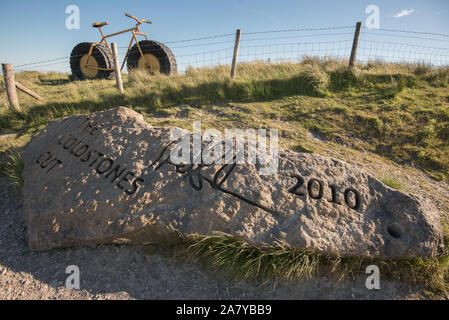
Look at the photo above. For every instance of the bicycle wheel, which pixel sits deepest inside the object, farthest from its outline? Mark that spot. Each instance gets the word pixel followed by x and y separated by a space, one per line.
pixel 156 58
pixel 84 66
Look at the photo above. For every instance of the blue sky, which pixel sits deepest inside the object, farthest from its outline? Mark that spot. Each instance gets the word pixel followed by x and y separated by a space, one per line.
pixel 35 30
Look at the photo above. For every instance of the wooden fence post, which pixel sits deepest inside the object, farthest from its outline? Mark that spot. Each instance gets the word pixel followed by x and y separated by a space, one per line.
pixel 28 91
pixel 355 44
pixel 236 52
pixel 10 84
pixel 118 74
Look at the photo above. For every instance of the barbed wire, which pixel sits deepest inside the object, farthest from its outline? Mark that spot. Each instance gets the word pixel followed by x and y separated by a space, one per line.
pixel 167 42
pixel 45 64
pixel 279 48
pixel 388 51
pixel 44 61
pixel 294 52
pixel 404 37
pixel 202 38
pixel 294 43
pixel 298 30
pixel 409 31
pixel 197 45
pixel 302 36
pixel 407 44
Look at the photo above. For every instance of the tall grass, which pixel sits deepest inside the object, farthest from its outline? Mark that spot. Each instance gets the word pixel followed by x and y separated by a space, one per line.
pixel 371 105
pixel 399 110
pixel 241 261
pixel 13 169
pixel 390 180
pixel 238 260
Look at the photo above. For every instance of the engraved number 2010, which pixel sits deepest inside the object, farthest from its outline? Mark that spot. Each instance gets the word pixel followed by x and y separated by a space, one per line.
pixel 318 195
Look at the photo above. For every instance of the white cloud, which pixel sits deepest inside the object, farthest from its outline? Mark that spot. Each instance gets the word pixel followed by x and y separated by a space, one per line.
pixel 403 13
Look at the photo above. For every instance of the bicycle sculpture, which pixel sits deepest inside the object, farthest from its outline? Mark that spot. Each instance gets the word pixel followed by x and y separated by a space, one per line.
pixel 90 60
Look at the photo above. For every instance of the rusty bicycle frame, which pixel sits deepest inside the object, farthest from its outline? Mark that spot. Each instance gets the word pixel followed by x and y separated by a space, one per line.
pixel 135 31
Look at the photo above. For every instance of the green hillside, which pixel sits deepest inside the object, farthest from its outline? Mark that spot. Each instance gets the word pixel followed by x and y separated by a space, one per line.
pixel 391 119
pixel 400 112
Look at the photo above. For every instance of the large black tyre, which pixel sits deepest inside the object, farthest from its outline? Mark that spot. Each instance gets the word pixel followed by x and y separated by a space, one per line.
pixel 100 58
pixel 157 58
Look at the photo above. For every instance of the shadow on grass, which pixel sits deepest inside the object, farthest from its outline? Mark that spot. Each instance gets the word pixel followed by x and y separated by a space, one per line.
pixel 48 80
pixel 153 101
pixel 54 82
pixel 39 115
pixel 226 90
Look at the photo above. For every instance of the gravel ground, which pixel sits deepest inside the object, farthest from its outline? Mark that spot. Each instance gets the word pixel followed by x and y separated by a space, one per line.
pixel 126 272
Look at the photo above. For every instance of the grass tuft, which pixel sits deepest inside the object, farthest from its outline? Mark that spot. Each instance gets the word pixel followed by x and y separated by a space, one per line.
pixel 314 79
pixel 13 169
pixel 438 78
pixel 241 261
pixel 341 79
pixel 238 260
pixel 391 181
pixel 421 69
pixel 397 86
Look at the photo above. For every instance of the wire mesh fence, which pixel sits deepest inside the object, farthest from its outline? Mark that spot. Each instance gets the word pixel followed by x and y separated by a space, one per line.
pixel 401 46
pixel 385 45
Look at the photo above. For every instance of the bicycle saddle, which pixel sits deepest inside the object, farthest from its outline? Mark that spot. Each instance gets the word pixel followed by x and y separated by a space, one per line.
pixel 99 24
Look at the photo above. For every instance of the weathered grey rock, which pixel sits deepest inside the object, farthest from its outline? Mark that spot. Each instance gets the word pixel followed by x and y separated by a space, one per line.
pixel 75 196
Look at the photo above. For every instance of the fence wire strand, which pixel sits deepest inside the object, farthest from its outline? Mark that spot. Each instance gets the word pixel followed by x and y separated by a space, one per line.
pixel 410 32
pixel 279 46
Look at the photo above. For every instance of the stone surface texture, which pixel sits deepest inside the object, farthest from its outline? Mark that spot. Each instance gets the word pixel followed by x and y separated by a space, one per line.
pixel 107 177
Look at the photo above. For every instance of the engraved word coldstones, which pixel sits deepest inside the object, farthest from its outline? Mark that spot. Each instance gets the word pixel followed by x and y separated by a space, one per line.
pixel 104 177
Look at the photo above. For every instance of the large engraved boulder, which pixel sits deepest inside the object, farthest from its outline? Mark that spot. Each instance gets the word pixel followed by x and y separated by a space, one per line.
pixel 105 177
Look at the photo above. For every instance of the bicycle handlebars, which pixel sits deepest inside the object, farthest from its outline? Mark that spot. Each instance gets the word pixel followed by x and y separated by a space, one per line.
pixel 138 21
